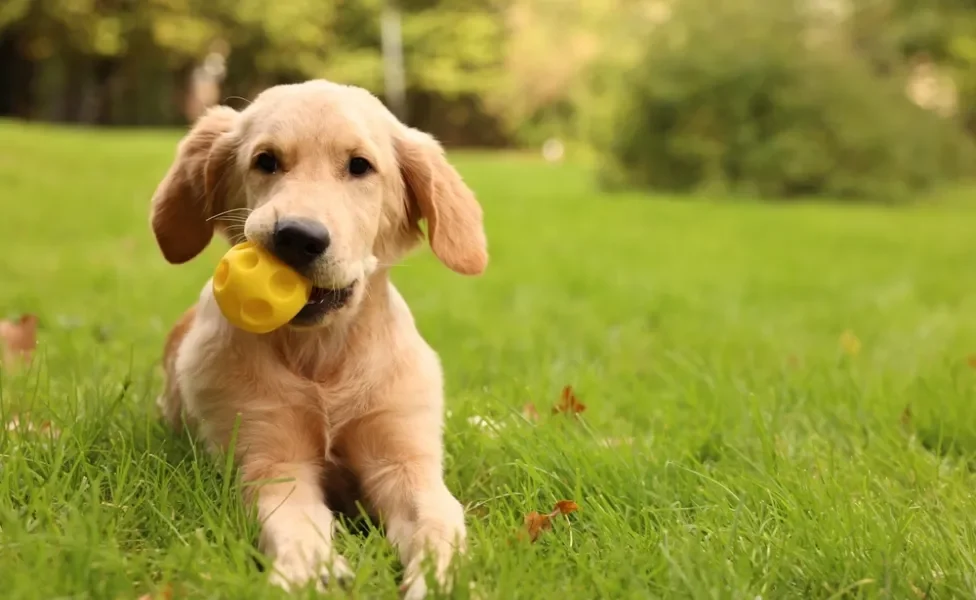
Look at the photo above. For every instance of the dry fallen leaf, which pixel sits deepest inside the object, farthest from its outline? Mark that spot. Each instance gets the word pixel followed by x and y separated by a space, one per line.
pixel 849 343
pixel 18 339
pixel 165 594
pixel 906 417
pixel 530 412
pixel 536 523
pixel 971 360
pixel 568 403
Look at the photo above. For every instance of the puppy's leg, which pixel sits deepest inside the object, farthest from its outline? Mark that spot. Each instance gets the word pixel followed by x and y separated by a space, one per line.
pixel 170 402
pixel 281 462
pixel 398 458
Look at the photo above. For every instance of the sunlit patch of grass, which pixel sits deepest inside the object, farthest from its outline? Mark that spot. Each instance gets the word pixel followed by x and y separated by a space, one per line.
pixel 734 442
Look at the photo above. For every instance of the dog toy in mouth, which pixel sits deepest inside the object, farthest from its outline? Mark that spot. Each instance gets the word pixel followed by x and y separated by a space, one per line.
pixel 256 291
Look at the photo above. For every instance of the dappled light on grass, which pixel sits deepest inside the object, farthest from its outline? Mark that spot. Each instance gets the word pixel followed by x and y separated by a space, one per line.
pixel 22 425
pixel 568 404
pixel 850 343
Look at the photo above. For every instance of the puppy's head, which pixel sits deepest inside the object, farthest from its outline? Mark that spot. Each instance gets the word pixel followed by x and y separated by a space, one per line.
pixel 327 179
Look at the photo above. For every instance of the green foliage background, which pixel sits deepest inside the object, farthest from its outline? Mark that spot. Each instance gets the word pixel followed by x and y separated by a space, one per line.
pixel 755 96
pixel 761 98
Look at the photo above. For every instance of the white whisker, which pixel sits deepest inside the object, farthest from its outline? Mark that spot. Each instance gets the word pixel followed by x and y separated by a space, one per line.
pixel 244 100
pixel 229 213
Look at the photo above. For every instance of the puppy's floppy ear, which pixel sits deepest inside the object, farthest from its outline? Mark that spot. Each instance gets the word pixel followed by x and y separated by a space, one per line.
pixel 435 189
pixel 193 190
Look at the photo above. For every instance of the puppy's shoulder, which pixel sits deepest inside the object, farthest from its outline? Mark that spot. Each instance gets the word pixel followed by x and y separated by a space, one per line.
pixel 177 334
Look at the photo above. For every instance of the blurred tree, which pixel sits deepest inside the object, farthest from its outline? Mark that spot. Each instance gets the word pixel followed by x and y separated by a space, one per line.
pixel 13 11
pixel 16 67
pixel 453 54
pixel 943 32
pixel 477 71
pixel 764 99
pixel 111 61
pixel 554 51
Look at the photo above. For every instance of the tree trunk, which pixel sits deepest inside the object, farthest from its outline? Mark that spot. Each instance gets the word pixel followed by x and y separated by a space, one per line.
pixel 75 80
pixel 16 76
pixel 103 90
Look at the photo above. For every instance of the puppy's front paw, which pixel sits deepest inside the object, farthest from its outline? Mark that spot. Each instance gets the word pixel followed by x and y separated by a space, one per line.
pixel 415 587
pixel 293 571
pixel 443 550
pixel 414 590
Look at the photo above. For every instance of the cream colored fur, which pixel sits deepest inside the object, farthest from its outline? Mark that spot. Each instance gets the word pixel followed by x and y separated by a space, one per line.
pixel 361 390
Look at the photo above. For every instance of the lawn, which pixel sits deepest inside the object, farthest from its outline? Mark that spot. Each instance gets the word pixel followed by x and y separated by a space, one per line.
pixel 779 398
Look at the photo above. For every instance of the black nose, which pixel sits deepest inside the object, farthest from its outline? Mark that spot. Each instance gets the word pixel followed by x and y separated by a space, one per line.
pixel 298 242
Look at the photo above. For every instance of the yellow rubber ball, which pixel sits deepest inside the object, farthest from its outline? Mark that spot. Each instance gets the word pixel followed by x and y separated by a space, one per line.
pixel 256 291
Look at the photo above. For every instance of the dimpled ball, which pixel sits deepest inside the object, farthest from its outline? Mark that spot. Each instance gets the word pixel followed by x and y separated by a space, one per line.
pixel 256 291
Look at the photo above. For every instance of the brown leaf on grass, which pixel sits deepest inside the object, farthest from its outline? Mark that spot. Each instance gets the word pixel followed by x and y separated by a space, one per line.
pixel 536 523
pixel 907 417
pixel 165 594
pixel 530 412
pixel 971 361
pixel 568 403
pixel 18 339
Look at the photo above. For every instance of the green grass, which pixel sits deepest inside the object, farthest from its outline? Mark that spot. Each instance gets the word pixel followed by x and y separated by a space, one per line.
pixel 764 461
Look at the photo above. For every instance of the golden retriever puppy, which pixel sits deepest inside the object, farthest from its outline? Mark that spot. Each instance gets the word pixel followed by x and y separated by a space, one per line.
pixel 327 179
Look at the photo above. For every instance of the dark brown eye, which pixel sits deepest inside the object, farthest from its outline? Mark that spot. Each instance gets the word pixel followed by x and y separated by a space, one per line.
pixel 267 162
pixel 359 166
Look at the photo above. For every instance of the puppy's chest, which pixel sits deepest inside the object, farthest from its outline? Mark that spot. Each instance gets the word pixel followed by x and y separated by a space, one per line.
pixel 342 403
pixel 340 380
pixel 342 395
